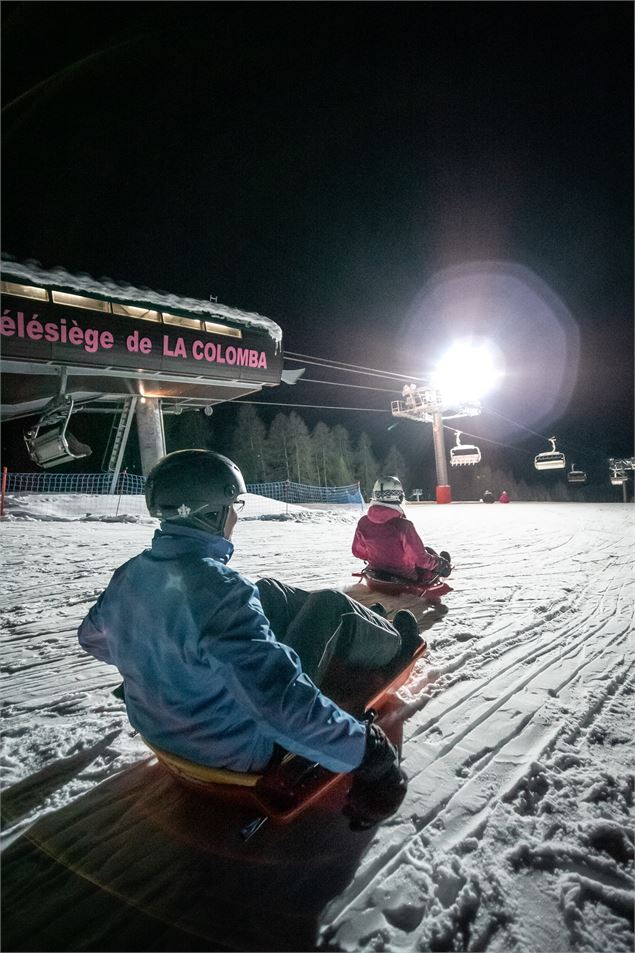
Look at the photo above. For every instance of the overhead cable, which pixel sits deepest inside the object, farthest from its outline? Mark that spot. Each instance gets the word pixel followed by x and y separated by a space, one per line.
pixel 380 390
pixel 481 439
pixel 347 368
pixel 495 413
pixel 271 403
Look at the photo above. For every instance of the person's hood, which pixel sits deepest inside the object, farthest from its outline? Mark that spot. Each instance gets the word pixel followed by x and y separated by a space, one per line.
pixel 172 541
pixel 384 512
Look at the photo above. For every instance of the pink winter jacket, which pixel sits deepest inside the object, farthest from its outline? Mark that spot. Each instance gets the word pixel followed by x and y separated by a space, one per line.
pixel 389 541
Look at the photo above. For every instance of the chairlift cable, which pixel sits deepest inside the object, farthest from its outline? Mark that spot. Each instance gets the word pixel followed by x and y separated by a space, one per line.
pixel 351 368
pixel 347 367
pixel 380 390
pixel 271 403
pixel 388 375
pixel 497 443
pixel 569 448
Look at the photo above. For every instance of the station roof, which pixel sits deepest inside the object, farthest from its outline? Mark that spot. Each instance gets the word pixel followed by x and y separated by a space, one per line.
pixel 61 280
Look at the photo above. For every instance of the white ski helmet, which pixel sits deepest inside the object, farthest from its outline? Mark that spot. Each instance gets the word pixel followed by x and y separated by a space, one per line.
pixel 388 489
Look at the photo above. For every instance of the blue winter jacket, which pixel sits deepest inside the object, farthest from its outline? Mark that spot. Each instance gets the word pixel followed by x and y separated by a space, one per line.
pixel 204 675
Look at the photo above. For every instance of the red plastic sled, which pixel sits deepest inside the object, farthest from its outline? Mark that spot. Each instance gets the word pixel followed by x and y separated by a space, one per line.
pixel 289 787
pixel 379 581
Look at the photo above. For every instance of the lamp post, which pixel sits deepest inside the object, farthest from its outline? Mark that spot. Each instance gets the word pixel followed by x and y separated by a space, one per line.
pixel 427 405
pixel 443 490
pixel 462 376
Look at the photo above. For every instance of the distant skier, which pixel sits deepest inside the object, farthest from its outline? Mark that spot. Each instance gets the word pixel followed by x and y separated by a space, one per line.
pixel 488 497
pixel 504 497
pixel 388 541
pixel 205 676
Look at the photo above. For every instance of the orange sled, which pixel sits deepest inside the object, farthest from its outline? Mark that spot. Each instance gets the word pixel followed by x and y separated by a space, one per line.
pixel 287 788
pixel 380 581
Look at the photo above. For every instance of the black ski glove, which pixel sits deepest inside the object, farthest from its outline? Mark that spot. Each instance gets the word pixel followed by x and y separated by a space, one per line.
pixel 119 692
pixel 443 566
pixel 379 784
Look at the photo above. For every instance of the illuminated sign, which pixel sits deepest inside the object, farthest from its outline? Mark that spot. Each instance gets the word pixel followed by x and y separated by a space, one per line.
pixel 39 331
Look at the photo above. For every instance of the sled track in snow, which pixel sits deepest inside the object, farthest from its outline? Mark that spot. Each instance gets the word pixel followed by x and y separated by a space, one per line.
pixel 531 658
pixel 451 820
pixel 492 732
pixel 519 645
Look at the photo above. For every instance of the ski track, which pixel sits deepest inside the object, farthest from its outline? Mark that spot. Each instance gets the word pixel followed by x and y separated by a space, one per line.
pixel 477 740
pixel 527 663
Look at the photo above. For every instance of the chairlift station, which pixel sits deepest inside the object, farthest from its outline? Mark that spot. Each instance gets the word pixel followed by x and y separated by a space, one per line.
pixel 70 342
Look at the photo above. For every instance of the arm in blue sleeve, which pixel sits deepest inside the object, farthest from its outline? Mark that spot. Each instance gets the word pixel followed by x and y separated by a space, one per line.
pixel 92 633
pixel 266 678
pixel 92 637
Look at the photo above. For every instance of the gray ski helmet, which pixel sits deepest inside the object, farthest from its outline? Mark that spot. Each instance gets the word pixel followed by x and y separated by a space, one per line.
pixel 388 489
pixel 194 488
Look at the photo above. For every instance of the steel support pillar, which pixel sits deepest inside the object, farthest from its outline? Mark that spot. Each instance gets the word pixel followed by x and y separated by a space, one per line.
pixel 151 433
pixel 443 492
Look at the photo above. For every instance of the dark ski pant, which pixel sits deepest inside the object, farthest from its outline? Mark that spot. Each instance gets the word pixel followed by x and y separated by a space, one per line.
pixel 326 623
pixel 422 575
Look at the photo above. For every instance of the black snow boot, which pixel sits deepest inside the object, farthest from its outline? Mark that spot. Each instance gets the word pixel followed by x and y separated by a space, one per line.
pixel 445 555
pixel 379 609
pixel 407 626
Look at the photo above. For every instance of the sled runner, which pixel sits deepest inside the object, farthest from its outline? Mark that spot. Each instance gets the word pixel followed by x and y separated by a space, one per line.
pixel 380 581
pixel 288 787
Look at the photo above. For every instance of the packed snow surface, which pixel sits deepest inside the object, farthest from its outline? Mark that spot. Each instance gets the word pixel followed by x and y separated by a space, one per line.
pixel 516 832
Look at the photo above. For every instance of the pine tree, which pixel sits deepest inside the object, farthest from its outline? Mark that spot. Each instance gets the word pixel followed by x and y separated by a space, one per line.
pixel 322 452
pixel 278 452
pixel 343 474
pixel 188 431
pixel 299 449
pixel 248 445
pixel 366 464
pixel 394 464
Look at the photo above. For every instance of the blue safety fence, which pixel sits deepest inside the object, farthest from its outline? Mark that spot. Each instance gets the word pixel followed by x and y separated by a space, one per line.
pixel 301 493
pixel 91 483
pixel 76 494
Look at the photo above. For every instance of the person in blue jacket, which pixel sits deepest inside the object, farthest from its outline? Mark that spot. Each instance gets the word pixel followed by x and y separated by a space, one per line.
pixel 206 674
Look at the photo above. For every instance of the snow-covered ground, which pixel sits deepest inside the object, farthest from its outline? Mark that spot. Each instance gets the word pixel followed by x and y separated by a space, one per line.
pixel 516 833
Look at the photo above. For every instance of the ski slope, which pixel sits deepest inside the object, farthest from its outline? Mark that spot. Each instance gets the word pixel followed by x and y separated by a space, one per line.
pixel 516 832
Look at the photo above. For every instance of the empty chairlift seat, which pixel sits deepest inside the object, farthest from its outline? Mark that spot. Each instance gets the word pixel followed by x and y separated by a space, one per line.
pixel 464 454
pixel 576 476
pixel 50 443
pixel 550 459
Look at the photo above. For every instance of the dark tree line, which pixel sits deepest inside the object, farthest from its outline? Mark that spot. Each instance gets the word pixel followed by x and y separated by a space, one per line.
pixel 323 456
pixel 288 449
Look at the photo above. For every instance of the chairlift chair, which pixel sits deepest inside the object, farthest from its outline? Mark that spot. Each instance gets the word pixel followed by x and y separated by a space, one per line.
pixel 576 476
pixel 50 443
pixel 464 454
pixel 550 459
pixel 618 477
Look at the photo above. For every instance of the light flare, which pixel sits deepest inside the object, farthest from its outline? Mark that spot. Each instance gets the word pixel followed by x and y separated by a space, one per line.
pixel 466 372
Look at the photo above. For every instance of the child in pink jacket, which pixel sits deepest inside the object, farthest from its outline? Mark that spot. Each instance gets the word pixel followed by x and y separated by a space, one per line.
pixel 388 541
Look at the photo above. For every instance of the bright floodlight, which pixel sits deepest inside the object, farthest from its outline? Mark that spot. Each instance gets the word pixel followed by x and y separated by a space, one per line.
pixel 466 372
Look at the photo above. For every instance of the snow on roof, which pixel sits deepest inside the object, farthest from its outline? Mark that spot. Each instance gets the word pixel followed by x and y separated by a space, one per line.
pixel 61 280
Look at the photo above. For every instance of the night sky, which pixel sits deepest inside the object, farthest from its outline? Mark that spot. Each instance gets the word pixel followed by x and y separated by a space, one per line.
pixel 338 167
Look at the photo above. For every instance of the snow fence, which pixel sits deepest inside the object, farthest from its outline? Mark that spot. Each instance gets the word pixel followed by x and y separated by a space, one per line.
pixel 73 495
